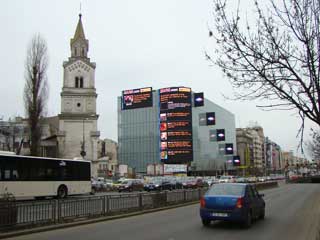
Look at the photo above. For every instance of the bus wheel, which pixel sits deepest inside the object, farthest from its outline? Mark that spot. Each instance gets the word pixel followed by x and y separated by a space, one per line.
pixel 62 192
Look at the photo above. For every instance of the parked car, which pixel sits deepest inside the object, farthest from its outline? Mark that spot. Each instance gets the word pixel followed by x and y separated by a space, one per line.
pixel 238 202
pixel 159 185
pixel 130 185
pixel 227 179
pixel 252 179
pixel 194 183
pixel 108 184
pixel 241 180
pixel 176 184
pixel 152 186
pixel 262 179
pixel 96 186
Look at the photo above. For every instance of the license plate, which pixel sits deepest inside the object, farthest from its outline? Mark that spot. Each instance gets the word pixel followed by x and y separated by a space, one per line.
pixel 219 214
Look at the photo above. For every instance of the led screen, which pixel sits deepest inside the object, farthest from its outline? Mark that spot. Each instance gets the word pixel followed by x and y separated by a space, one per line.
pixel 211 118
pixel 229 149
pixel 198 99
pixel 236 160
pixel 136 98
pixel 175 125
pixel 221 135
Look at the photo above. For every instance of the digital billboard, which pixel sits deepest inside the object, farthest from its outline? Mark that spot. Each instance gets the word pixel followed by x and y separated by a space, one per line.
pixel 175 125
pixel 136 98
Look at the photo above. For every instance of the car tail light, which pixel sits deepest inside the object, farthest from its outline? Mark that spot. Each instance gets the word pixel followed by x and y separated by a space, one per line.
pixel 239 203
pixel 202 202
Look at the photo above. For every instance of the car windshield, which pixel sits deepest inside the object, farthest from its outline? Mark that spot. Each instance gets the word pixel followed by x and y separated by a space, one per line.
pixel 227 189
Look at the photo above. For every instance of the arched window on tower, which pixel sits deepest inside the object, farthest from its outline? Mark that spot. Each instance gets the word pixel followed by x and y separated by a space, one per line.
pixel 82 52
pixel 81 82
pixel 77 82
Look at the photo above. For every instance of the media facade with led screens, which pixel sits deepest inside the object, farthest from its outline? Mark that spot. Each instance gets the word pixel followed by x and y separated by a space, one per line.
pixel 175 117
pixel 136 98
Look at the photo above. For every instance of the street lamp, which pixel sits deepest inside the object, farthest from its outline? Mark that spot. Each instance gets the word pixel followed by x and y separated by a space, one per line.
pixel 83 150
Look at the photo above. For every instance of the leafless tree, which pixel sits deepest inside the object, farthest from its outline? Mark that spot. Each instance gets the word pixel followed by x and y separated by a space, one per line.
pixel 273 58
pixel 36 89
pixel 314 145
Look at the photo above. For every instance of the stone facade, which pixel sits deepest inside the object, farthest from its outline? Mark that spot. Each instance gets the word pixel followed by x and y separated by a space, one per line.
pixel 108 158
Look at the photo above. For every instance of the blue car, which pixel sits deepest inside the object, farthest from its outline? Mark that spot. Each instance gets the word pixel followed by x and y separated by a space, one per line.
pixel 236 202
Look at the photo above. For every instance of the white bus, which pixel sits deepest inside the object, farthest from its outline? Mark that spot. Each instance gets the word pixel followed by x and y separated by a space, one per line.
pixel 25 176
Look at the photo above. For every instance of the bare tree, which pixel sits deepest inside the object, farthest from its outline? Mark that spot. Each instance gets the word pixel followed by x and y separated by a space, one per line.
pixel 314 145
pixel 36 89
pixel 275 57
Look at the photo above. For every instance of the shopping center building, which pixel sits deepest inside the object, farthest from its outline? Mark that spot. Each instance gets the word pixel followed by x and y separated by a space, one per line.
pixel 174 126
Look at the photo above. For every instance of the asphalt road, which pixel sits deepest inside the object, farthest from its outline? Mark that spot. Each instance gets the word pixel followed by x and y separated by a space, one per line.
pixel 292 212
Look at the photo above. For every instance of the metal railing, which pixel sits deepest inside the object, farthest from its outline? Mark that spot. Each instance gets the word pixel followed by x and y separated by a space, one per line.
pixel 18 215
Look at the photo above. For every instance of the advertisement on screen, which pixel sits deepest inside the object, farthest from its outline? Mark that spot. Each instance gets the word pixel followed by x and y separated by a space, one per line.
pixel 136 98
pixel 175 125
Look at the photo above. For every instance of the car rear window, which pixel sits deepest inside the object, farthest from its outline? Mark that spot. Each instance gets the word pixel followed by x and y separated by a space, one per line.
pixel 226 189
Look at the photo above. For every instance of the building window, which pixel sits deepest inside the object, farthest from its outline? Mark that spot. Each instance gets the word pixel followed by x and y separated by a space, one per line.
pixel 81 82
pixel 77 82
pixel 82 52
pixel 75 51
pixel 78 104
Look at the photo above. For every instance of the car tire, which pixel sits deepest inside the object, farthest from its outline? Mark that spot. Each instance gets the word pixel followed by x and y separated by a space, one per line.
pixel 206 222
pixel 263 213
pixel 93 191
pixel 248 221
pixel 62 192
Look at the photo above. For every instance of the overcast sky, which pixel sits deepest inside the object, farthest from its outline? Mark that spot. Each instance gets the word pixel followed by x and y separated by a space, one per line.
pixel 141 43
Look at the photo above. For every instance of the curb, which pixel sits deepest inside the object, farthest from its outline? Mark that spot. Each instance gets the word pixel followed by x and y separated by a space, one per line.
pixel 89 221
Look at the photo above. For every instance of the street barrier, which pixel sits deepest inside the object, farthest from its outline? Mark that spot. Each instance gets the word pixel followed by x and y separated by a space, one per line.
pixel 265 185
pixel 306 179
pixel 26 214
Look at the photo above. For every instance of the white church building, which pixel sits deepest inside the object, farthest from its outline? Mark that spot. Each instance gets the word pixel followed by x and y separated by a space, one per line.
pixel 78 134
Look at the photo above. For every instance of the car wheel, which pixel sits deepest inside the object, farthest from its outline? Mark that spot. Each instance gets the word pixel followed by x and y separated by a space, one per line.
pixel 205 222
pixel 248 221
pixel 263 213
pixel 93 191
pixel 62 192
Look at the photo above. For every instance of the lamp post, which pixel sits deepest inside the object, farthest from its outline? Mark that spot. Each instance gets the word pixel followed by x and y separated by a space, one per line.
pixel 83 150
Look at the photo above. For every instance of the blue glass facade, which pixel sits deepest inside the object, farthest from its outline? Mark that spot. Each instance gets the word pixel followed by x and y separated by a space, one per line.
pixel 138 136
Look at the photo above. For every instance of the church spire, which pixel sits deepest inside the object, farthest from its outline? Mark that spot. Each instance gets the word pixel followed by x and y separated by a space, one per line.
pixel 79 34
pixel 79 44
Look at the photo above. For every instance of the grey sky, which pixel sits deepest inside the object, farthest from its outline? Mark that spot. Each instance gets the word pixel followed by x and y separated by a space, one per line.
pixel 135 44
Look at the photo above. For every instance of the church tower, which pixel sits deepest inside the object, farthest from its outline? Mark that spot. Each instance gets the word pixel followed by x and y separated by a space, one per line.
pixel 78 134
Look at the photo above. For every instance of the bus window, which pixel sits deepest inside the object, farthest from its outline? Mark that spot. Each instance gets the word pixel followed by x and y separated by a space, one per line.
pixel 15 174
pixel 6 174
